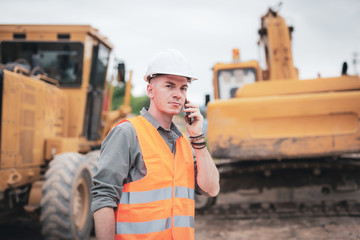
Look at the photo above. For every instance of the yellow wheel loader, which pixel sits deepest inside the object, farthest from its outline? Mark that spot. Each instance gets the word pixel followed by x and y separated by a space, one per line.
pixel 283 141
pixel 54 114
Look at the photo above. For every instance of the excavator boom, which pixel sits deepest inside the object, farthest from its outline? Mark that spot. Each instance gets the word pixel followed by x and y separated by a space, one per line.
pixel 275 35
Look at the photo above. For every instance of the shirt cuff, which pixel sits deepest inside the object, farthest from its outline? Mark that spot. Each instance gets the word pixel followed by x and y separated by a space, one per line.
pixel 101 203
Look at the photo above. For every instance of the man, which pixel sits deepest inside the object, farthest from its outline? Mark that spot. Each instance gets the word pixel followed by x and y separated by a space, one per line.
pixel 147 171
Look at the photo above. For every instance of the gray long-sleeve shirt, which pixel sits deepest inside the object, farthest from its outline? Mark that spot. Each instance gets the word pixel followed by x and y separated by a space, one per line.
pixel 121 161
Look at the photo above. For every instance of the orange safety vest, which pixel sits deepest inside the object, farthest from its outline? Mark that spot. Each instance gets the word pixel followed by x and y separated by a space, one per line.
pixel 161 204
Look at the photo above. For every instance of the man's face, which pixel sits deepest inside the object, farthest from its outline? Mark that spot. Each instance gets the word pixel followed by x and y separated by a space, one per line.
pixel 168 93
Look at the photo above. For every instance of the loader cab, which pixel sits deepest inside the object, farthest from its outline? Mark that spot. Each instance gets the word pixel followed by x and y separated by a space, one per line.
pixel 75 58
pixel 230 77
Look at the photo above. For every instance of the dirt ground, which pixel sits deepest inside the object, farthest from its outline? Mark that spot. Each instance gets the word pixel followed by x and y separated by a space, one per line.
pixel 230 227
pixel 272 227
pixel 212 227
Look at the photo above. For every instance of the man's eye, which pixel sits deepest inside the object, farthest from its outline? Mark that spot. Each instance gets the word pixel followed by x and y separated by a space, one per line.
pixel 183 89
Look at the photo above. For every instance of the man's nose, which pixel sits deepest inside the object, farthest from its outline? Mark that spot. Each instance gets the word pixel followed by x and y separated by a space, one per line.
pixel 177 93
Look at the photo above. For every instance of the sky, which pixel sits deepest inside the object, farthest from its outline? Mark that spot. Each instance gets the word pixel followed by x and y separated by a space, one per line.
pixel 326 34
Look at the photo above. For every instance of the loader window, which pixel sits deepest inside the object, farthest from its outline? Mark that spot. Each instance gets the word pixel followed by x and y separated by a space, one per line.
pixel 92 123
pixel 60 60
pixel 230 80
pixel 99 66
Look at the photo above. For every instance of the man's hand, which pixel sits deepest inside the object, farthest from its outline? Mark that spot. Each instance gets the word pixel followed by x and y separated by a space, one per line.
pixel 196 126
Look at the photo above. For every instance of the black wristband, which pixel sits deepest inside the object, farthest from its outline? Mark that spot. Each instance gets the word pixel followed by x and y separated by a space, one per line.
pixel 201 136
pixel 198 144
pixel 200 147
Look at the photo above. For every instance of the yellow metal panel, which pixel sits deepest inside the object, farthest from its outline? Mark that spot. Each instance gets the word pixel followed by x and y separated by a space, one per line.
pixel 32 112
pixel 271 88
pixel 36 36
pixel 318 124
pixel 59 145
pixel 76 111
pixel 18 177
pixel 6 36
pixel 10 122
pixel 78 37
pixel 301 126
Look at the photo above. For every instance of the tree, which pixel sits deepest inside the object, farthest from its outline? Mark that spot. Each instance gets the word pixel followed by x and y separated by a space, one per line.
pixel 136 103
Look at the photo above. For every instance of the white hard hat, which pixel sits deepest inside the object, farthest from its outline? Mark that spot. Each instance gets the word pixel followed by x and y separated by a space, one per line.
pixel 170 61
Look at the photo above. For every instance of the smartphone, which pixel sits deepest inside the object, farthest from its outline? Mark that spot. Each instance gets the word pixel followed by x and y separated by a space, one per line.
pixel 187 118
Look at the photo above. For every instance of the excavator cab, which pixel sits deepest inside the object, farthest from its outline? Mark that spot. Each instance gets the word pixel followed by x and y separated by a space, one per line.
pixel 229 78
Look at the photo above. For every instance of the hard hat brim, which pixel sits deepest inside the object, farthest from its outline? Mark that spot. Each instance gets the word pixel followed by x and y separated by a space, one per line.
pixel 149 76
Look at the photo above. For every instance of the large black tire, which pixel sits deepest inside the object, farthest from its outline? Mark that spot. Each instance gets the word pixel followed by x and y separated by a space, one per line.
pixel 92 160
pixel 66 200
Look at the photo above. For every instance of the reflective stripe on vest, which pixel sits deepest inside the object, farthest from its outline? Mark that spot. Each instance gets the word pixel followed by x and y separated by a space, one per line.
pixel 161 204
pixel 143 227
pixel 156 195
pixel 154 225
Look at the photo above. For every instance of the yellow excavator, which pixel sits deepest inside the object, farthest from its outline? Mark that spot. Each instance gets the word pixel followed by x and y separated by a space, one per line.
pixel 283 141
pixel 54 108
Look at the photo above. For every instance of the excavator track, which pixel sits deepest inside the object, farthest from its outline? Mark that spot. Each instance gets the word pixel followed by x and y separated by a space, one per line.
pixel 288 188
pixel 269 210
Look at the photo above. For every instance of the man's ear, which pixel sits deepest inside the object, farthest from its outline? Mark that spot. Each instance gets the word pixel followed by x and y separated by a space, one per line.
pixel 150 91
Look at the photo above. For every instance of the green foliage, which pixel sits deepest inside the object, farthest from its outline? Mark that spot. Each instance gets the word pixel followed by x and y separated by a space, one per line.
pixel 118 97
pixel 136 103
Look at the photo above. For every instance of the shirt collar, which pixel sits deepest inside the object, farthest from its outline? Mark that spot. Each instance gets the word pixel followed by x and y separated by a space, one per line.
pixel 145 113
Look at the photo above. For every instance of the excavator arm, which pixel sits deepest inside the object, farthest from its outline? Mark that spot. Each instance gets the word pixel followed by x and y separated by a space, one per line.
pixel 275 35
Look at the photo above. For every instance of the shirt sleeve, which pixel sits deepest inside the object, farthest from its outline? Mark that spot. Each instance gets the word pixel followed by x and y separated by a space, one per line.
pixel 114 165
